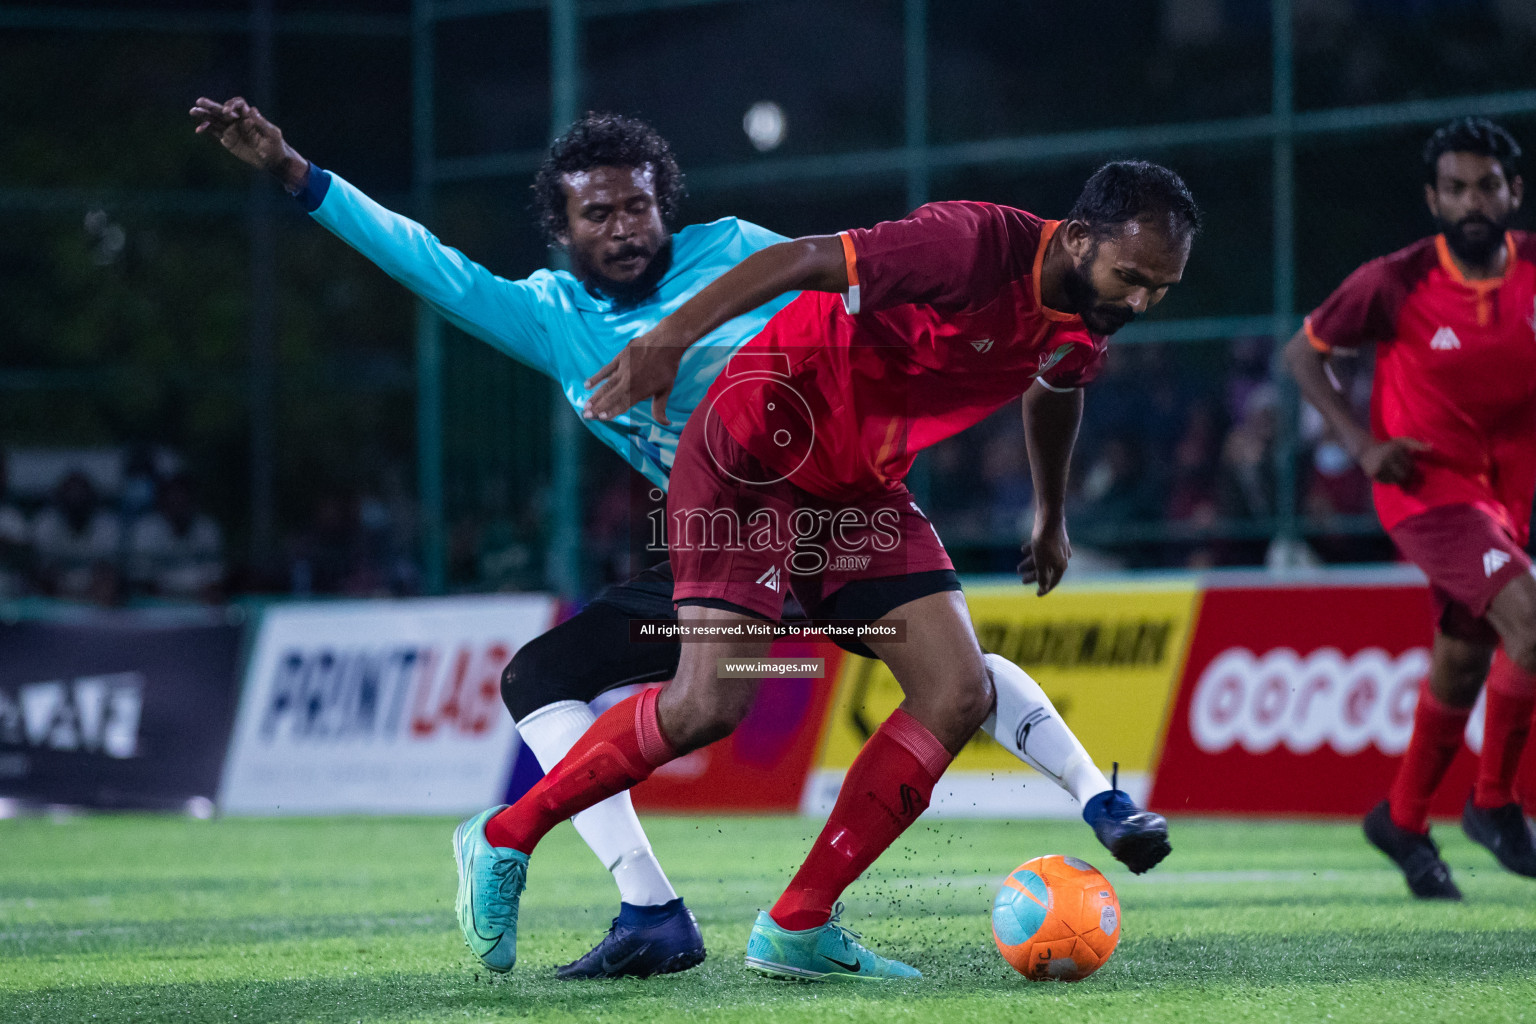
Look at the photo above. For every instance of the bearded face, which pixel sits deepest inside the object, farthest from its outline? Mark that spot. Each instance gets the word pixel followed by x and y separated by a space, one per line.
pixel 614 235
pixel 1099 315
pixel 1473 203
pixel 1476 237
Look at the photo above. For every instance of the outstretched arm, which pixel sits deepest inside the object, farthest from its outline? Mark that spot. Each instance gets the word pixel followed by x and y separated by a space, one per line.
pixel 1388 462
pixel 503 313
pixel 1051 420
pixel 253 139
pixel 647 367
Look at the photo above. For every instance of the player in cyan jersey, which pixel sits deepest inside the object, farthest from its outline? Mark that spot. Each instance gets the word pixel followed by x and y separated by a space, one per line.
pixel 1451 453
pixel 606 195
pixel 904 334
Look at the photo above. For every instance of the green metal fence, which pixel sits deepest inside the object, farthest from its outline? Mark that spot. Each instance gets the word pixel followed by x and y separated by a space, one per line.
pixel 915 163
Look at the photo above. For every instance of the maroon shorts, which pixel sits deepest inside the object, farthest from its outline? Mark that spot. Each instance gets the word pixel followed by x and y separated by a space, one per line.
pixel 1468 558
pixel 741 535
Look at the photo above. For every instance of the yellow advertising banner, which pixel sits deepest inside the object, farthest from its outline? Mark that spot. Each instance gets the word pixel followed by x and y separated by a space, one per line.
pixel 1109 657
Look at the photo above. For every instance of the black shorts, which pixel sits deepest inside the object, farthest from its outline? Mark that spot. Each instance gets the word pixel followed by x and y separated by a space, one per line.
pixel 591 652
pixel 864 600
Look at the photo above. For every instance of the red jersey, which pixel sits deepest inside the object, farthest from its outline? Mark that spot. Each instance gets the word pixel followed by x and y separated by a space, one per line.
pixel 941 325
pixel 1455 368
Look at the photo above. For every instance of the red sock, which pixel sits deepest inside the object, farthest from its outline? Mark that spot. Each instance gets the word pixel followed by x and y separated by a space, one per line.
pixel 887 787
pixel 1511 695
pixel 1437 734
pixel 617 751
pixel 1525 779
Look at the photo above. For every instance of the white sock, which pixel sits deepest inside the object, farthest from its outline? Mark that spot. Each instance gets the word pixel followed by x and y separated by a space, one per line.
pixel 610 828
pixel 1028 726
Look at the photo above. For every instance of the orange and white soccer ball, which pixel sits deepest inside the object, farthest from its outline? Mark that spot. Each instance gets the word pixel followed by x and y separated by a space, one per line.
pixel 1056 918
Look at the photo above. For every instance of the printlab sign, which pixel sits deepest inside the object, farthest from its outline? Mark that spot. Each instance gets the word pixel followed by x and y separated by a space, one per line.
pixel 380 706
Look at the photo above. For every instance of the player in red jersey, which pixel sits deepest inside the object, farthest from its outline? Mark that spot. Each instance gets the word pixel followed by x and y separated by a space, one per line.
pixel 1451 453
pixel 791 476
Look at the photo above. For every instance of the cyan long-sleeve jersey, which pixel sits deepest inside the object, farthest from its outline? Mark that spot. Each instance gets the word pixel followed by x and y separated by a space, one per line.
pixel 549 321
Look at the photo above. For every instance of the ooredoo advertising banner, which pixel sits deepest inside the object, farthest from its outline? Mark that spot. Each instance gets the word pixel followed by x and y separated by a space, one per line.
pixel 1299 700
pixel 116 709
pixel 380 706
pixel 1109 657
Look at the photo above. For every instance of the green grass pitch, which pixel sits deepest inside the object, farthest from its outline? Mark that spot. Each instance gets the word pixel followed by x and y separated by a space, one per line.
pixel 130 918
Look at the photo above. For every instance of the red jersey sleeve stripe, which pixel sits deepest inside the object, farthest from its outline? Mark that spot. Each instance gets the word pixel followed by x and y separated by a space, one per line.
pixel 1313 339
pixel 851 262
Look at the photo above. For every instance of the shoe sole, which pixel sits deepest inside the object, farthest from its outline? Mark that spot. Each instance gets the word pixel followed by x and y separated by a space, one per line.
pixel 685 961
pixel 458 862
pixel 783 972
pixel 1148 848
pixel 675 964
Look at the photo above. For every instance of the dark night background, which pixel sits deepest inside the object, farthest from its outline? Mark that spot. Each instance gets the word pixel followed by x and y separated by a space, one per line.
pixel 125 257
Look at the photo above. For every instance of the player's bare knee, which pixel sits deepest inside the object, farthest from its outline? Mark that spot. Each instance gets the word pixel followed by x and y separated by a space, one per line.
pixel 974 699
pixel 699 715
pixel 1521 649
pixel 1457 669
pixel 729 708
pixel 703 727
pixel 955 712
pixel 1455 689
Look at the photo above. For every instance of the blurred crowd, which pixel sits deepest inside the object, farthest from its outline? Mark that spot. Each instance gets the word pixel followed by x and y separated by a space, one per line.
pixel 106 536
pixel 111 528
pixel 1178 465
pixel 355 543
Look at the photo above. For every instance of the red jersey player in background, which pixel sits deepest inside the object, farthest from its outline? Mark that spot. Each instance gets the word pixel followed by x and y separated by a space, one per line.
pixel 1451 453
pixel 792 475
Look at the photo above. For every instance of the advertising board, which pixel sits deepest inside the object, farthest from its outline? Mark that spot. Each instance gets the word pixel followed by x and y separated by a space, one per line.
pixel 1109 658
pixel 379 706
pixel 117 709
pixel 1299 700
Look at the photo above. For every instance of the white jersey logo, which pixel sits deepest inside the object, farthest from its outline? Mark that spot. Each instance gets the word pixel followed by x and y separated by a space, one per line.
pixel 770 579
pixel 1445 340
pixel 1493 561
pixel 984 345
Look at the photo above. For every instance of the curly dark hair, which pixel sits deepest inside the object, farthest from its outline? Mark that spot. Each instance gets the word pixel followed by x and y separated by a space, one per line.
pixel 604 140
pixel 1470 135
pixel 1126 190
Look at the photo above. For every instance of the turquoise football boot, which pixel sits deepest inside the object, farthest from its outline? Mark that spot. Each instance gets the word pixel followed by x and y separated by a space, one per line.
pixel 491 880
pixel 816 954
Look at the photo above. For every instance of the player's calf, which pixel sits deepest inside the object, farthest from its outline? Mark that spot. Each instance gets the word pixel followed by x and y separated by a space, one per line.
pixel 1027 725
